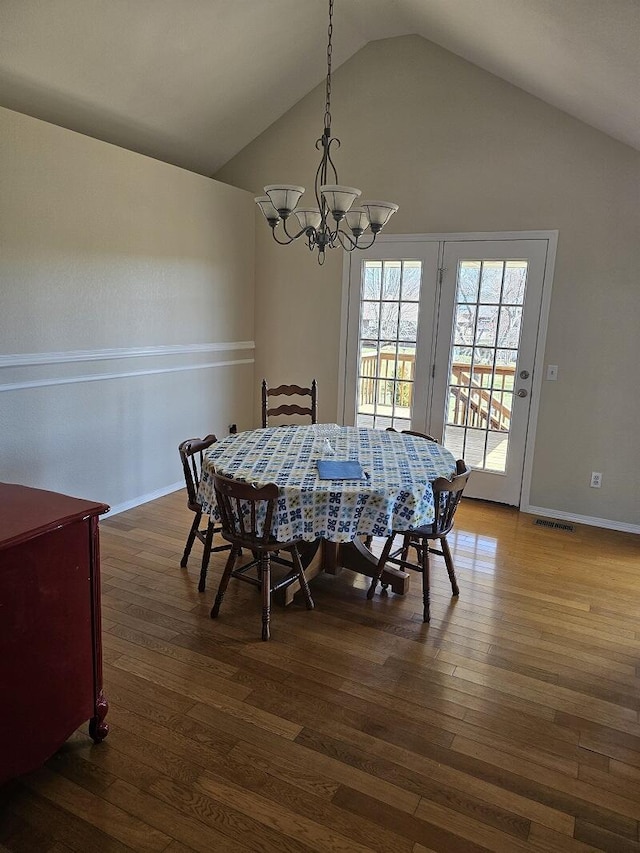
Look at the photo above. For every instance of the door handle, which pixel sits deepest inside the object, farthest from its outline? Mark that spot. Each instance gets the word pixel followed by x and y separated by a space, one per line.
pixel 523 392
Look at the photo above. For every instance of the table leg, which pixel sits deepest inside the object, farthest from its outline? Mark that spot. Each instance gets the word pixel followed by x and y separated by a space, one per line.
pixel 331 558
pixel 357 557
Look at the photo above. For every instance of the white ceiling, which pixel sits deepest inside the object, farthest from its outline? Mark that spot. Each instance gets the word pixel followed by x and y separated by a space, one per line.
pixel 194 81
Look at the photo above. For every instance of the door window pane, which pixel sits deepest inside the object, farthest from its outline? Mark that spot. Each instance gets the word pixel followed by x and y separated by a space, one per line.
pixel 389 320
pixel 469 281
pixel 491 281
pixel 515 280
pixel 371 280
pixel 487 325
pixel 391 278
pixel 408 329
pixel 510 324
pixel 465 324
pixel 411 277
pixel 370 320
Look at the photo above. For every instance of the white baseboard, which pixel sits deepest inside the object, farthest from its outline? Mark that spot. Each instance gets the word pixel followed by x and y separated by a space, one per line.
pixel 143 499
pixel 606 523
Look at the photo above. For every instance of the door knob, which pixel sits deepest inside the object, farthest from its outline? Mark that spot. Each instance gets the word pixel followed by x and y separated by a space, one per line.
pixel 522 392
pixel 524 374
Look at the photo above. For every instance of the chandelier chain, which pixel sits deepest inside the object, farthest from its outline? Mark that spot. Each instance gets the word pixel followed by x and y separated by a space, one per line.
pixel 327 108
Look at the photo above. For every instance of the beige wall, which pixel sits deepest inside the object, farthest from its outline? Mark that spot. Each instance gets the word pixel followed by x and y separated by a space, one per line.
pixel 104 249
pixel 460 150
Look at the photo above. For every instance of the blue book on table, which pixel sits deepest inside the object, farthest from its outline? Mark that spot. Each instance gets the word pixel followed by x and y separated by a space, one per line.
pixel 340 469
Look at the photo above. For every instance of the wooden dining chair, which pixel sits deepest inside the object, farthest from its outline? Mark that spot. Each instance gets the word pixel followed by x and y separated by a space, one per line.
pixel 446 497
pixel 191 451
pixel 247 514
pixel 413 432
pixel 289 408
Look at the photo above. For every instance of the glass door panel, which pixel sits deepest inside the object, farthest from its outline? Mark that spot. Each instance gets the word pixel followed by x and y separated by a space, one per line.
pixel 388 337
pixel 488 320
pixel 391 309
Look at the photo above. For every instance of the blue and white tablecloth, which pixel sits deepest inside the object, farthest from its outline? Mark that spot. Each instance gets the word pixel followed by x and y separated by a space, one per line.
pixel 396 495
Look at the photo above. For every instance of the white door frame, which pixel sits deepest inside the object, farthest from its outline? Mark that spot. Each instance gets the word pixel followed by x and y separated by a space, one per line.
pixel 552 242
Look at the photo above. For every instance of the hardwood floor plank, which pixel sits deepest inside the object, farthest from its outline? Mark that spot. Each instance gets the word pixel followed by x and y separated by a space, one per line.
pixel 162 816
pixel 411 827
pixel 111 820
pixel 48 819
pixel 226 819
pixel 618 812
pixel 600 839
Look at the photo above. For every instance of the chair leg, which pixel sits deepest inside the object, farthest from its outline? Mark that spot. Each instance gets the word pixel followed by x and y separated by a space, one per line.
pixel 380 567
pixel 303 579
pixel 190 540
pixel 449 563
pixel 265 577
pixel 406 544
pixel 426 604
pixel 224 581
pixel 208 542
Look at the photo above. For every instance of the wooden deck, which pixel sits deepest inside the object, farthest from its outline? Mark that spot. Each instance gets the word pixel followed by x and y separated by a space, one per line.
pixel 510 723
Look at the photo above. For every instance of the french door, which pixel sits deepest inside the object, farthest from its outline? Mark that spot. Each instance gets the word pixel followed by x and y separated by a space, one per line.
pixel 442 338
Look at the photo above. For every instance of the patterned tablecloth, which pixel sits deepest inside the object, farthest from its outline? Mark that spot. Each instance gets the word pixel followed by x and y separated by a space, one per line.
pixel 396 495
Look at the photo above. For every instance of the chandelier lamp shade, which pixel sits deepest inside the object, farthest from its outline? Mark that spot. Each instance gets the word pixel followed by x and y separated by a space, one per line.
pixel 336 219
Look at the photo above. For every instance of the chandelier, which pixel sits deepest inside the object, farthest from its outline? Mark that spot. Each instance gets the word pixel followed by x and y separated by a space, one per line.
pixel 333 200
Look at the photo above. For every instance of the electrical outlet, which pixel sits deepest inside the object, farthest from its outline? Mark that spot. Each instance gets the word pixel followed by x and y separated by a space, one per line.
pixel 596 480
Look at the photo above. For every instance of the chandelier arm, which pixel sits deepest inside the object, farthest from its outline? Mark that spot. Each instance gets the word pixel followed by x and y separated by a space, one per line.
pixel 346 240
pixel 352 244
pixel 330 142
pixel 321 175
pixel 290 236
pixel 280 242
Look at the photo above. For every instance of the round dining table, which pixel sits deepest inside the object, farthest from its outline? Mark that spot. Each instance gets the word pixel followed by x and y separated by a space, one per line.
pixel 394 493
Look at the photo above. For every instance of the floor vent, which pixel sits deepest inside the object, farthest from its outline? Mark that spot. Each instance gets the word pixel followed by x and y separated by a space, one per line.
pixel 555 525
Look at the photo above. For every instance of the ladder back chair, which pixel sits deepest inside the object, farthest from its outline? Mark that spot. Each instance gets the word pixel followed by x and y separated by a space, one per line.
pixel 191 452
pixel 289 408
pixel 247 521
pixel 446 497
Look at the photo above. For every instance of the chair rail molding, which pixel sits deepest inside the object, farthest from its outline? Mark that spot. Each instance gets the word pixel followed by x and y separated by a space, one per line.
pixel 28 359
pixel 46 359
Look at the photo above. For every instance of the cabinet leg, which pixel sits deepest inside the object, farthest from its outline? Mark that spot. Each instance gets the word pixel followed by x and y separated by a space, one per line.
pixel 98 729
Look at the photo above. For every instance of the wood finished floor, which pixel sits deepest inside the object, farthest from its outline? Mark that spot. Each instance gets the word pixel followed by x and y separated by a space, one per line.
pixel 509 723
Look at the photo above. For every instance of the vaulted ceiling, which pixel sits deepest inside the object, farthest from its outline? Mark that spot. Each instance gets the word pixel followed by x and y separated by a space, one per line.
pixel 192 82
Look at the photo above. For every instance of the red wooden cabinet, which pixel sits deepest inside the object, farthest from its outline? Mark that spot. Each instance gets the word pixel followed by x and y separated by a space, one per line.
pixel 50 639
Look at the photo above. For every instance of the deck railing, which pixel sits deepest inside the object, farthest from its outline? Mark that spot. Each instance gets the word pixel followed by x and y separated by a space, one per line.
pixel 391 376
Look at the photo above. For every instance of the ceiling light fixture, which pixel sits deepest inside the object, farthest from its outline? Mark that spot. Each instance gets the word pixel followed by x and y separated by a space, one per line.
pixel 281 200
